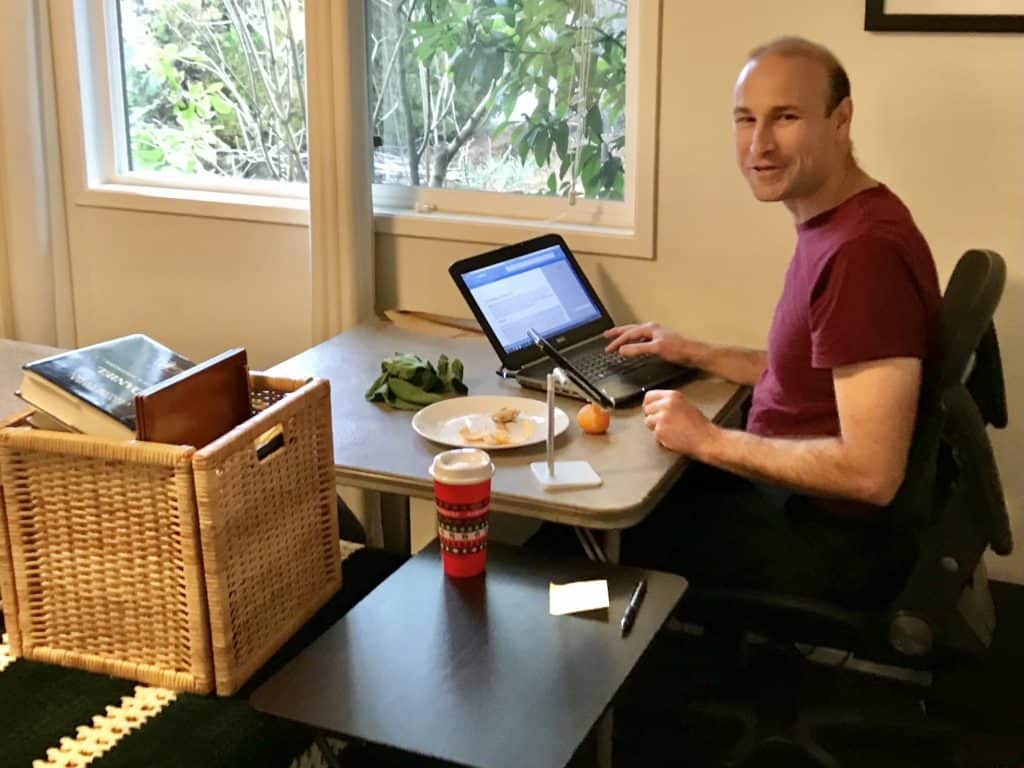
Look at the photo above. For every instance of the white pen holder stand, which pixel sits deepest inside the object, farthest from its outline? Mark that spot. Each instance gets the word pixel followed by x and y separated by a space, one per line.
pixel 557 475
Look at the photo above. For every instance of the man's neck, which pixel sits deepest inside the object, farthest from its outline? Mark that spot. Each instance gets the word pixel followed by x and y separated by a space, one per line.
pixel 835 192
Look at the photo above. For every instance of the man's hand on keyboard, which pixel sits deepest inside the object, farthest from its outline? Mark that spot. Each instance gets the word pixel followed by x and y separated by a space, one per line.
pixel 653 339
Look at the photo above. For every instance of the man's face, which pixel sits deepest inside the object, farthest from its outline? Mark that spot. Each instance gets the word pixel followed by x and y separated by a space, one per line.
pixel 785 145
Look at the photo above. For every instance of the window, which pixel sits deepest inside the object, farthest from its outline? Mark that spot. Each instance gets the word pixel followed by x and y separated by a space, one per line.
pixel 196 107
pixel 522 97
pixel 492 119
pixel 213 87
pixel 516 110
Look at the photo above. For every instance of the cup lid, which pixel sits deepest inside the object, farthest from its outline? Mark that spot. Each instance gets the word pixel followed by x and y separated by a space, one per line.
pixel 462 466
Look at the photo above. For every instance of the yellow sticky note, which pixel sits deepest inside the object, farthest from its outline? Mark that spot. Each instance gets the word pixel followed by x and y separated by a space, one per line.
pixel 578 596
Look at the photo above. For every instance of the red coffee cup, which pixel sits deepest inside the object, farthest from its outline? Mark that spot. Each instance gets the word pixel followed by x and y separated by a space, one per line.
pixel 462 496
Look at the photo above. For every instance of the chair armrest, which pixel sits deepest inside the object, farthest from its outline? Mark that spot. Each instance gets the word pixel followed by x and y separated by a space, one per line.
pixel 734 413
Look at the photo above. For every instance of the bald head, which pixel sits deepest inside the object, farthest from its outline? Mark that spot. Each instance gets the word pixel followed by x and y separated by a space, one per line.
pixel 837 84
pixel 791 121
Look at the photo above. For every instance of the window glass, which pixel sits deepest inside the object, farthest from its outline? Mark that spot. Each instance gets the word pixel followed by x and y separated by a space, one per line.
pixel 215 87
pixel 525 96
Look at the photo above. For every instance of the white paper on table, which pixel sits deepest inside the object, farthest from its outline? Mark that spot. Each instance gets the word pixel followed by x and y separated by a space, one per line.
pixel 578 596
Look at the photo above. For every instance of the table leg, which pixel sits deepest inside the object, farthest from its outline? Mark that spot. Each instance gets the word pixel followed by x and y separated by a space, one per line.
pixel 612 546
pixel 394 521
pixel 603 739
pixel 609 552
pixel 612 553
pixel 590 545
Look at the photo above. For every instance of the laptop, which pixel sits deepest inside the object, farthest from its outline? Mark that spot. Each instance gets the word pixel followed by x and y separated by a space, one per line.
pixel 538 286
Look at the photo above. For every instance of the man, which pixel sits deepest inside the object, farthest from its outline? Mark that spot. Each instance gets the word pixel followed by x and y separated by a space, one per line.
pixel 798 500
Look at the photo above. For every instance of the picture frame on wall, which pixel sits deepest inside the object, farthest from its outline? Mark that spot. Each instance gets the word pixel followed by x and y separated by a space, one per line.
pixel 986 16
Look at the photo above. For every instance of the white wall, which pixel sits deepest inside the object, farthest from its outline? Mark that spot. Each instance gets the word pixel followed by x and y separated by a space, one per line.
pixel 940 118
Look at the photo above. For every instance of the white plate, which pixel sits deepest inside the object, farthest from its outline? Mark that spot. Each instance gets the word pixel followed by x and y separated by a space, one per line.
pixel 452 421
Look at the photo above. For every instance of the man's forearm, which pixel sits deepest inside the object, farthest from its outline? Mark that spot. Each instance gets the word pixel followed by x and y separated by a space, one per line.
pixel 877 406
pixel 742 366
pixel 816 466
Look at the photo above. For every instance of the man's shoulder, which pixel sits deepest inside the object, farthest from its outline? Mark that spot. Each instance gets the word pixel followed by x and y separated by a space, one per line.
pixel 876 221
pixel 882 204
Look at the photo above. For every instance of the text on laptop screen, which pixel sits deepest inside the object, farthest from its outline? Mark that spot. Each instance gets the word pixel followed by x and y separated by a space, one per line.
pixel 538 290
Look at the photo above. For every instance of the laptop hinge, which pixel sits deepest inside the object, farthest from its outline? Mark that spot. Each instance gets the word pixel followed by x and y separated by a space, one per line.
pixel 506 373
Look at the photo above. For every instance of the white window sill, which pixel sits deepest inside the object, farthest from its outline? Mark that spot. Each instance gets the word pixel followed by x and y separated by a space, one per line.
pixel 398 222
pixel 238 206
pixel 583 238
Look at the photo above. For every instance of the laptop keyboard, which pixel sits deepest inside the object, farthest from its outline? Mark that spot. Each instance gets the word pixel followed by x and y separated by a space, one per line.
pixel 596 363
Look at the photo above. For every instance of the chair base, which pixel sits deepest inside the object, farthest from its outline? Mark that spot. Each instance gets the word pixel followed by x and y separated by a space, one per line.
pixel 777 730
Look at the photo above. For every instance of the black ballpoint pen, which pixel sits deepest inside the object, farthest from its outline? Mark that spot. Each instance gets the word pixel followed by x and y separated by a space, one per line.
pixel 629 615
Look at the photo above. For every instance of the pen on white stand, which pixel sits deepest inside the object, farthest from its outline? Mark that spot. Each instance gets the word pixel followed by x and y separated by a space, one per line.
pixel 551 425
pixel 557 374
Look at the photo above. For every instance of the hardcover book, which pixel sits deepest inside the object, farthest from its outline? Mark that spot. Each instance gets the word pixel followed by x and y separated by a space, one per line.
pixel 93 389
pixel 196 406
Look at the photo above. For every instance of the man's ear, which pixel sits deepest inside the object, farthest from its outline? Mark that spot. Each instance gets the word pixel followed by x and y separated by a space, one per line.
pixel 843 114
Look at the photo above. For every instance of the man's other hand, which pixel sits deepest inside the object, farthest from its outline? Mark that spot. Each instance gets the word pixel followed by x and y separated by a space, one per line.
pixel 652 339
pixel 676 423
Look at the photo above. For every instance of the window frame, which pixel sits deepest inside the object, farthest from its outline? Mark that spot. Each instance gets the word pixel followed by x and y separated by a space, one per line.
pixel 85 33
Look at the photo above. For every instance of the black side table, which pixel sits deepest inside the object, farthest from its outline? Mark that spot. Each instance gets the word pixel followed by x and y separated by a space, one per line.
pixel 473 671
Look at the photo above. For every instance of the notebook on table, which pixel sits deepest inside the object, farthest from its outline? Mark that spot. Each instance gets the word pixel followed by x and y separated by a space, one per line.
pixel 538 285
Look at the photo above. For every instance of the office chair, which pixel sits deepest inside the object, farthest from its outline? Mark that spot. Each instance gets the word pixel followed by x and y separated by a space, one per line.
pixel 952 502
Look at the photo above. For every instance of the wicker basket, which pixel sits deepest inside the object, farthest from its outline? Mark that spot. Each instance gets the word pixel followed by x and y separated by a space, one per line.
pixel 179 568
pixel 269 528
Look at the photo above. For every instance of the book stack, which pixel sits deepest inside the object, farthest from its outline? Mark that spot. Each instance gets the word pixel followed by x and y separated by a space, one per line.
pixel 136 388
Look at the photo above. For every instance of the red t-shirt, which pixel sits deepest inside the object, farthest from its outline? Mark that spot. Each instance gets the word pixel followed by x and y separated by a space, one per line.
pixel 861 286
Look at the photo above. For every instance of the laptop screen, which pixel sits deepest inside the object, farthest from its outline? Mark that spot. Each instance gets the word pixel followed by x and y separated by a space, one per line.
pixel 539 290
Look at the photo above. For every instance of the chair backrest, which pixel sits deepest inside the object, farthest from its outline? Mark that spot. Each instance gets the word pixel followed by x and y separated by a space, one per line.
pixel 971 355
pixel 951 494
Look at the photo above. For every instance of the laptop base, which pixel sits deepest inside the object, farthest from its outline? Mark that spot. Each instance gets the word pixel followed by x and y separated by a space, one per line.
pixel 562 390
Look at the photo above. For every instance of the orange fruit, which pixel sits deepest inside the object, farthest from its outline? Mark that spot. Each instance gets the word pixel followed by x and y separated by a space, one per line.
pixel 593 419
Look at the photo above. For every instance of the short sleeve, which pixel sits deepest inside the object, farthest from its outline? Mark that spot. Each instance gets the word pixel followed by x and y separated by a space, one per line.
pixel 865 305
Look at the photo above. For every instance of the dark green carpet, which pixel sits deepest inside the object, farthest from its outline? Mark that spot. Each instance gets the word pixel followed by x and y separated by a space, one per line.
pixel 40 703
pixel 199 731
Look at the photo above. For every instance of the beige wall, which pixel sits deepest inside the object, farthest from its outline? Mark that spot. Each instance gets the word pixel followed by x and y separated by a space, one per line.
pixel 198 285
pixel 940 118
